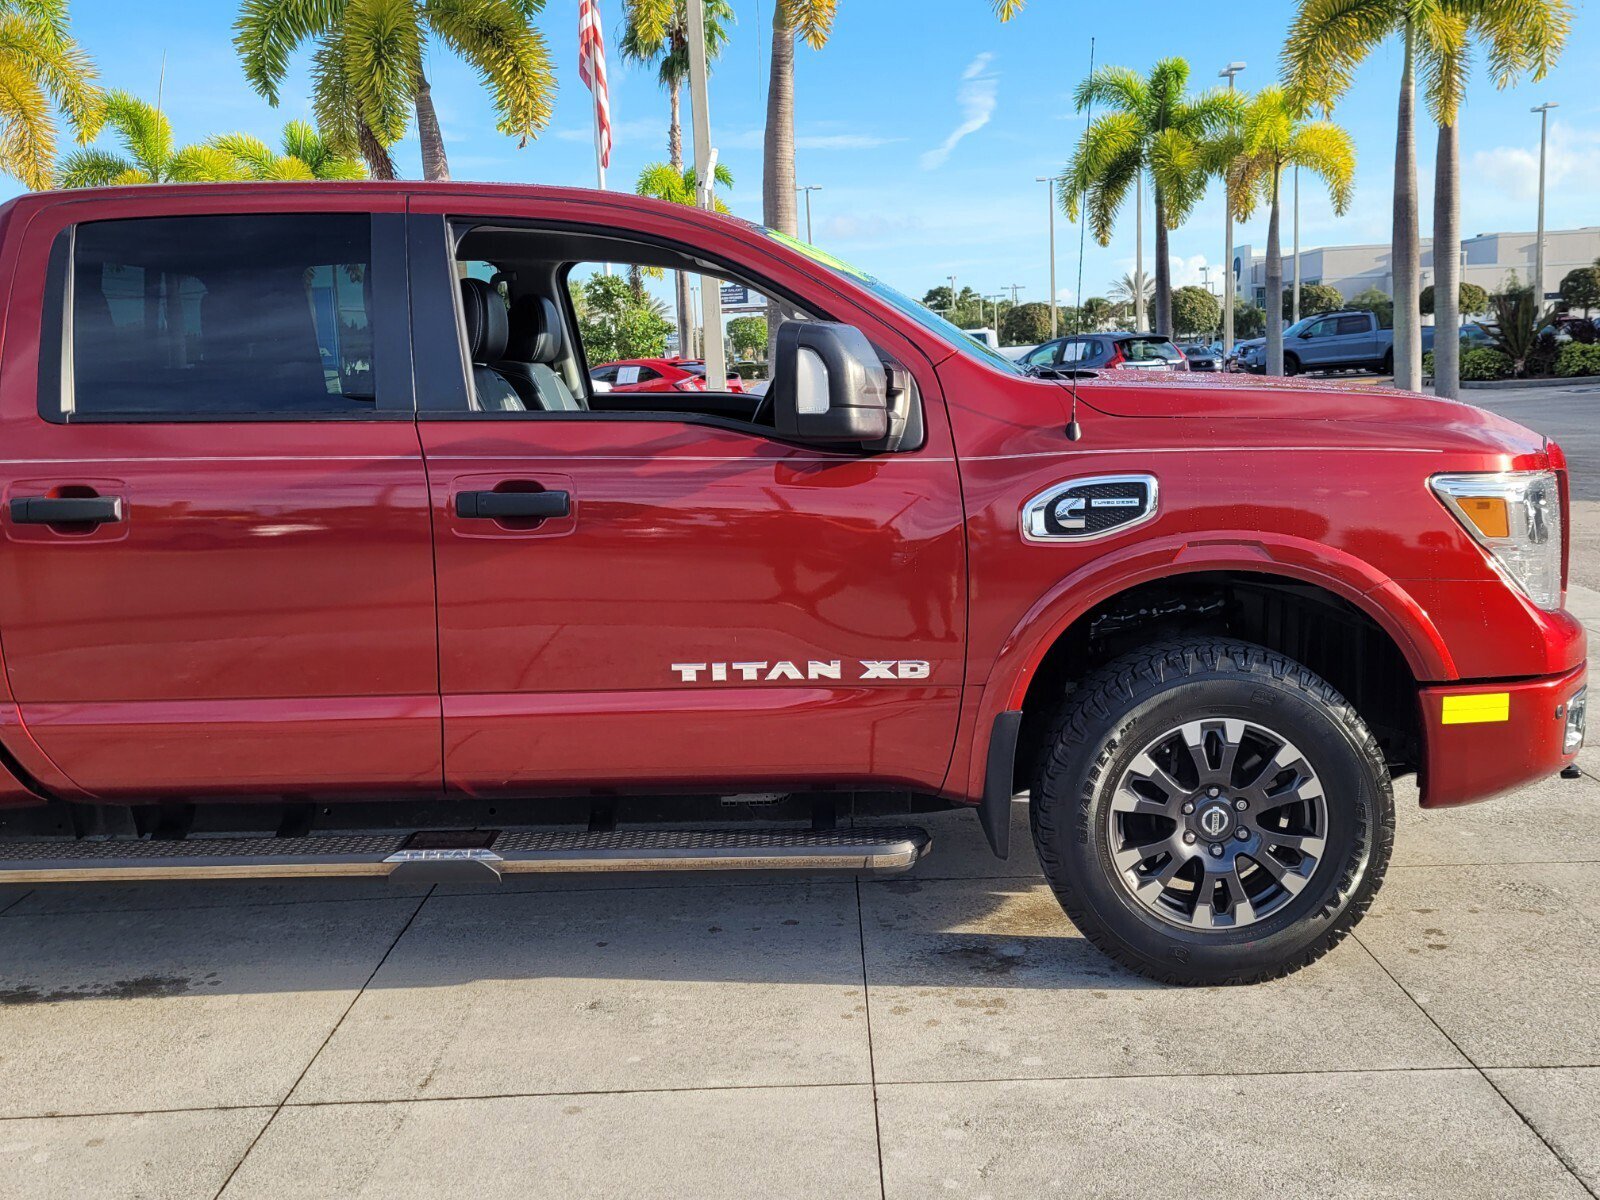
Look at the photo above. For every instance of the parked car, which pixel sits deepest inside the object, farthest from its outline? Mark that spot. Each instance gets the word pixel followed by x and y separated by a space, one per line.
pixel 1337 341
pixel 659 375
pixel 1106 352
pixel 1201 356
pixel 429 606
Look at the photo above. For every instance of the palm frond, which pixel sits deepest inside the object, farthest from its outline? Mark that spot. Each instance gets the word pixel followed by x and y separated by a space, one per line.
pixel 267 32
pixel 204 164
pixel 143 129
pixel 509 54
pixel 1444 59
pixel 645 27
pixel 254 155
pixel 1522 37
pixel 27 133
pixel 1328 39
pixel 1327 151
pixel 810 19
pixel 1006 9
pixel 92 168
pixel 381 52
pixel 57 65
pixel 1119 88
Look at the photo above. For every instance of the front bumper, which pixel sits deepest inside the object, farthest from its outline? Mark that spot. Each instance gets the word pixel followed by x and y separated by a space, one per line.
pixel 1480 740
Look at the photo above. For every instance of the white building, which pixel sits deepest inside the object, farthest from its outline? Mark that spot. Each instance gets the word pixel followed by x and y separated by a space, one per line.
pixel 1486 260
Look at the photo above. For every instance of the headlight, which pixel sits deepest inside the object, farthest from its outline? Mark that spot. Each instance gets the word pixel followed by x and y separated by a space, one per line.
pixel 1516 517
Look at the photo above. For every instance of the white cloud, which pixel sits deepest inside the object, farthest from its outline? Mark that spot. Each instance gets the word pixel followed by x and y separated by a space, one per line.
pixel 1512 172
pixel 976 97
pixel 620 132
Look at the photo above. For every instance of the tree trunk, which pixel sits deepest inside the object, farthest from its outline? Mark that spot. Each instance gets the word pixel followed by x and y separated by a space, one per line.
pixel 1447 265
pixel 675 156
pixel 435 166
pixel 1163 316
pixel 777 153
pixel 1404 251
pixel 379 164
pixel 1275 280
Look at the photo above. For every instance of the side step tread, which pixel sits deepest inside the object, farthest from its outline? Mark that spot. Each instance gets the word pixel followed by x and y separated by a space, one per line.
pixel 429 856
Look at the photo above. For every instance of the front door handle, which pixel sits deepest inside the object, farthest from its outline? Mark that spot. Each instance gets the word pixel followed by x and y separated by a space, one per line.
pixel 502 505
pixel 65 510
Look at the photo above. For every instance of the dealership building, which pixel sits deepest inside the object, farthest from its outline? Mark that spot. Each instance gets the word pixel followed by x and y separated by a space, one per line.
pixel 1486 260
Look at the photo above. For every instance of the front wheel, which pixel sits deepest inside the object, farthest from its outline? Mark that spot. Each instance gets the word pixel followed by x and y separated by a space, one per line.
pixel 1291 365
pixel 1211 812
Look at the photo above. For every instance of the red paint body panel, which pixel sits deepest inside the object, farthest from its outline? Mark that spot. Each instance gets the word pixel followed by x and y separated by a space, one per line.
pixel 297 607
pixel 1464 763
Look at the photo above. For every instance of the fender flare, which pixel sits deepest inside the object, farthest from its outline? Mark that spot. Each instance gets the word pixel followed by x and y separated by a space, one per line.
pixel 1294 559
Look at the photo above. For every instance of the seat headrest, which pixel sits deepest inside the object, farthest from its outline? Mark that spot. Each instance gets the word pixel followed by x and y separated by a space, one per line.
pixel 535 330
pixel 487 326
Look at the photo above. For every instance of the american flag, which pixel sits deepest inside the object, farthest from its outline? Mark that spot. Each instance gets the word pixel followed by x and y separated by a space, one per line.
pixel 592 70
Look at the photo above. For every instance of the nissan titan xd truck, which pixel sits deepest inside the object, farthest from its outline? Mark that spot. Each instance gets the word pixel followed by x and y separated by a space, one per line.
pixel 324 555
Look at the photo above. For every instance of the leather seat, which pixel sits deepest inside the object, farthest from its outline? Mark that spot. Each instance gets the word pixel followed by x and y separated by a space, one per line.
pixel 487 330
pixel 535 345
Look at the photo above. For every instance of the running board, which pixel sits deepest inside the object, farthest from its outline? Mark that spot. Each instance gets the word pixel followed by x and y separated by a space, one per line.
pixel 439 856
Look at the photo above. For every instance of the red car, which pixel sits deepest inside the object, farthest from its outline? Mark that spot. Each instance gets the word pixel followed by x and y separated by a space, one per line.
pixel 321 554
pixel 658 375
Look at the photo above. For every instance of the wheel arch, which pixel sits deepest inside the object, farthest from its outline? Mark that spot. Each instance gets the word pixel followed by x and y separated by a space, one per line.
pixel 1290 594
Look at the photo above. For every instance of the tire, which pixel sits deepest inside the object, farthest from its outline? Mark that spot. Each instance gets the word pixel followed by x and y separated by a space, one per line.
pixel 1121 719
pixel 1291 365
pixel 1387 365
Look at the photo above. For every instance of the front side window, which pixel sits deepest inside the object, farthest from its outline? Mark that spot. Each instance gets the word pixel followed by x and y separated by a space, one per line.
pixel 219 316
pixel 1043 356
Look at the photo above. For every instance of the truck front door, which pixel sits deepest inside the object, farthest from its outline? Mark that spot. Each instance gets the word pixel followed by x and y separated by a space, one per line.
pixel 217 575
pixel 665 596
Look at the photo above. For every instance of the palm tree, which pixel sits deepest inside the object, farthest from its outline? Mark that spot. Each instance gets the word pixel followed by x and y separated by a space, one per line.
pixel 1153 129
pixel 1272 136
pixel 657 31
pixel 41 70
pixel 1520 38
pixel 367 76
pixel 1132 290
pixel 1326 42
pixel 148 155
pixel 1094 312
pixel 676 185
pixel 813 21
pixel 306 154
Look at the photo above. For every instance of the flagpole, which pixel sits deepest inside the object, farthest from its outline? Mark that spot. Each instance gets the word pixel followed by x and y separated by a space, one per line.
pixel 599 152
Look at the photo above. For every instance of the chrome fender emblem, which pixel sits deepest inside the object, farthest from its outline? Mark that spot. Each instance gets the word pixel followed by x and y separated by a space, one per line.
pixel 1089 507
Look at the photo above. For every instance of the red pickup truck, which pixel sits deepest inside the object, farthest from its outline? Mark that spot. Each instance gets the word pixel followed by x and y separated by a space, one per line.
pixel 322 556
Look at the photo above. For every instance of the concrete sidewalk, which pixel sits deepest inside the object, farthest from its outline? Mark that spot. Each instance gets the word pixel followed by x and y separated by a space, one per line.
pixel 948 1033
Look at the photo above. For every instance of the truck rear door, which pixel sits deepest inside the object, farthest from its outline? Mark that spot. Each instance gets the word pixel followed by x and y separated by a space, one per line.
pixel 686 602
pixel 217 575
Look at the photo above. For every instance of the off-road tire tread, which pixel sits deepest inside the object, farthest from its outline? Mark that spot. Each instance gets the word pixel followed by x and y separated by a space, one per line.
pixel 1114 689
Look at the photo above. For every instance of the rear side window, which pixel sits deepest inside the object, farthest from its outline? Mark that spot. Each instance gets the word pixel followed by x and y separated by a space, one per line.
pixel 1352 325
pixel 220 317
pixel 1149 350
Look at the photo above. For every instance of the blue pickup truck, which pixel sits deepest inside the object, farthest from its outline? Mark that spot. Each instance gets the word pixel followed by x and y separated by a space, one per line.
pixel 1337 341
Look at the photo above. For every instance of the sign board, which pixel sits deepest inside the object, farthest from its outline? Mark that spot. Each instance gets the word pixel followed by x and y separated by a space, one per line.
pixel 736 297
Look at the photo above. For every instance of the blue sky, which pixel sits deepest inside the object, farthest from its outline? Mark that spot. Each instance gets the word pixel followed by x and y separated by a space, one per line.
pixel 925 125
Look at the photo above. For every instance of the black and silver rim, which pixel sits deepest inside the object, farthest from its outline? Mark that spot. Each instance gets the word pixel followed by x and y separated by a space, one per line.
pixel 1217 824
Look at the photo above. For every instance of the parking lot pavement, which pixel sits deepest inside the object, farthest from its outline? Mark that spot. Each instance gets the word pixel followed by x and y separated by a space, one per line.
pixel 947 1032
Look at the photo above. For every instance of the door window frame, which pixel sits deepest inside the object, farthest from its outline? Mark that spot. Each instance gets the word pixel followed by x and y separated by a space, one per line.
pixel 394 398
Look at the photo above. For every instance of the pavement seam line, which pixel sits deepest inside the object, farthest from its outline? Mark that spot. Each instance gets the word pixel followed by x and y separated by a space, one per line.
pixel 1482 1074
pixel 361 991
pixel 8 907
pixel 872 1062
pixel 185 908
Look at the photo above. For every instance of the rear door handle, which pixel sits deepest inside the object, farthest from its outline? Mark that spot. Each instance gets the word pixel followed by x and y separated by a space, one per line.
pixel 499 505
pixel 65 510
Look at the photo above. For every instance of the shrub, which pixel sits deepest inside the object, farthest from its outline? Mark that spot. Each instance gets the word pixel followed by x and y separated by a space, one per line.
pixel 1484 363
pixel 1427 362
pixel 1541 362
pixel 1576 358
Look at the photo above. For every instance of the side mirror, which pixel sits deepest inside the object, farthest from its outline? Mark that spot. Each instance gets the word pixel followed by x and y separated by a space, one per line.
pixel 828 384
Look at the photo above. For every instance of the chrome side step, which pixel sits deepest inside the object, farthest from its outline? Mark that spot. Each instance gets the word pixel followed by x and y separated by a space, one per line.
pixel 440 856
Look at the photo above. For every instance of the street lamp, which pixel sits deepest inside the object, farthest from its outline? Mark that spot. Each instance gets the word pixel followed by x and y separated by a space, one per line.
pixel 808 189
pixel 1051 180
pixel 1229 73
pixel 1538 269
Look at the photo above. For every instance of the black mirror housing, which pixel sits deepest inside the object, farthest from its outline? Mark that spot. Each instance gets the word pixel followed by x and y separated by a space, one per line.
pixel 828 385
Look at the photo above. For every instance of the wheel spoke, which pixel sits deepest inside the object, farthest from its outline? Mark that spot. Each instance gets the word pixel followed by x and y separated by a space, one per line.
pixel 1153 885
pixel 1131 856
pixel 1306 845
pixel 1144 769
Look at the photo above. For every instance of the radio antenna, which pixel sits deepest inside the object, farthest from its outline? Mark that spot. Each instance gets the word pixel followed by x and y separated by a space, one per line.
pixel 1074 430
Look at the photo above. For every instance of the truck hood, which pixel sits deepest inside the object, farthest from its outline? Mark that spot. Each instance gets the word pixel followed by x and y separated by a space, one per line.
pixel 1388 413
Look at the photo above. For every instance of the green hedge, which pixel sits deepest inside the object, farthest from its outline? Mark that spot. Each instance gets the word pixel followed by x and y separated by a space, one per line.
pixel 1484 363
pixel 1578 359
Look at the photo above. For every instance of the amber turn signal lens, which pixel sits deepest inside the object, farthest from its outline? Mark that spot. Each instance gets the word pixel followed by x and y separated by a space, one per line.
pixel 1488 513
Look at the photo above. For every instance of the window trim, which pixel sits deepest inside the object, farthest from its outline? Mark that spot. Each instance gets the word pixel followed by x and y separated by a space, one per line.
pixel 394 398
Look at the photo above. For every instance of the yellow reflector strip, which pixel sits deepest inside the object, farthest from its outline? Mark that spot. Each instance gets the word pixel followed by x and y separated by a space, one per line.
pixel 1480 709
pixel 1488 513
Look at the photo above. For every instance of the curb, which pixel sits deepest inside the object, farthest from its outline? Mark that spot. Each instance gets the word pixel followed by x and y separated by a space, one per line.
pixel 1500 385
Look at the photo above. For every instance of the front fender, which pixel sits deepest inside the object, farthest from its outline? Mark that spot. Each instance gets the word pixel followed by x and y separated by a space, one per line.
pixel 1291 558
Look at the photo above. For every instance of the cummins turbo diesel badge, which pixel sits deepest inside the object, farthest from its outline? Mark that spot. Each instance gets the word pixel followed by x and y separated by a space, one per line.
pixel 767 672
pixel 1095 506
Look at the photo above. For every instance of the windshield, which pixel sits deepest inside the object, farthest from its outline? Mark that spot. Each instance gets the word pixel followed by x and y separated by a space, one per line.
pixel 922 315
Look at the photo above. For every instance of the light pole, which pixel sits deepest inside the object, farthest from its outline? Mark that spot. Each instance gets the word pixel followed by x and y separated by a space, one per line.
pixel 1054 319
pixel 705 170
pixel 808 189
pixel 1538 262
pixel 1296 315
pixel 1228 72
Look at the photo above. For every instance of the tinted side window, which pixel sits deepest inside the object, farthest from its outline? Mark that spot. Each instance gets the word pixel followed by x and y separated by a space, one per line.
pixel 221 316
pixel 1352 325
pixel 1043 356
